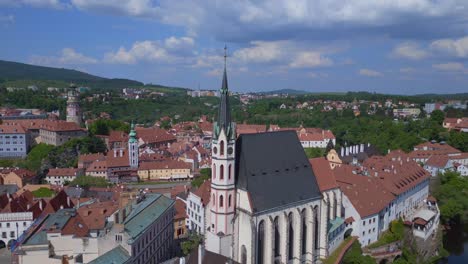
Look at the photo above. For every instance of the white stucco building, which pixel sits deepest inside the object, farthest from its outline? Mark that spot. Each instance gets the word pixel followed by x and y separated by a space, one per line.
pixel 197 207
pixel 14 141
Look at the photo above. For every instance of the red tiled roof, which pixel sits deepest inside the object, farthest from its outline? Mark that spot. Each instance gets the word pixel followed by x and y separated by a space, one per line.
pixel 438 161
pixel 95 214
pixel 59 125
pixel 117 136
pixel 349 220
pixel 204 192
pixel 420 221
pixel 11 129
pixel 91 157
pixel 180 210
pixel 367 194
pixel 23 173
pixel 323 174
pixel 63 172
pixel 154 135
pixel 97 166
pixel 76 227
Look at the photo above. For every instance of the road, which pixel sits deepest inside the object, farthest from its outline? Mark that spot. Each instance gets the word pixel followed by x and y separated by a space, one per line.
pixel 5 255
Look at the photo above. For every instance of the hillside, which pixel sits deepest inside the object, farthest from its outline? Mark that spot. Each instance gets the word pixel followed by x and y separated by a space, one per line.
pixel 286 91
pixel 17 74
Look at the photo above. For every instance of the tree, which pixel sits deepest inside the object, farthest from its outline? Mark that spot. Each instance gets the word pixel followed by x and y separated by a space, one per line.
pixel 193 241
pixel 438 116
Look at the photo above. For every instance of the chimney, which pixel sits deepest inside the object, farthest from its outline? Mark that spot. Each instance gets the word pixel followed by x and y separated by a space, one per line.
pixel 201 253
pixel 28 206
pixel 68 201
pixel 40 205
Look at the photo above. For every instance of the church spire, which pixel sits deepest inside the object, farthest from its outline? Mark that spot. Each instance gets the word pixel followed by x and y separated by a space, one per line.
pixel 224 115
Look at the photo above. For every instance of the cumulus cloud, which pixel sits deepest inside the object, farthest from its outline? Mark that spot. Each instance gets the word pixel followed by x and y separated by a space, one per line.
pixel 449 67
pixel 170 50
pixel 310 59
pixel 370 73
pixel 137 8
pixel 283 53
pixel 68 56
pixel 57 4
pixel 452 47
pixel 409 50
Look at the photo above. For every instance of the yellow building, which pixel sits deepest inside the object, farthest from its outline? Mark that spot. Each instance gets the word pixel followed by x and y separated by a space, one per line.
pixel 164 170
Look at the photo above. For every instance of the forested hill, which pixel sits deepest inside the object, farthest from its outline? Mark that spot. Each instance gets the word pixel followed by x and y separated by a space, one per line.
pixel 17 74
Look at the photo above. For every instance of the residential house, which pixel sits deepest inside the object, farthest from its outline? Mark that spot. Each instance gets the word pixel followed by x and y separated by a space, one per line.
pixel 17 176
pixel 60 176
pixel 197 209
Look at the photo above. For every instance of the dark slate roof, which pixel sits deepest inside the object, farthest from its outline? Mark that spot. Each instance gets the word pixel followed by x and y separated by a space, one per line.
pixel 117 255
pixel 274 169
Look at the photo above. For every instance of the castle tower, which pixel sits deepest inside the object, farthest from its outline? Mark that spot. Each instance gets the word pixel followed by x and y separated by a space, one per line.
pixel 133 147
pixel 73 106
pixel 222 203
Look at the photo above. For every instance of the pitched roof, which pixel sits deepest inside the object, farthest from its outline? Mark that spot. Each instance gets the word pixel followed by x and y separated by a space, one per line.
pixel 63 172
pixel 154 135
pixel 274 174
pixel 323 173
pixel 180 210
pixel 95 214
pixel 204 192
pixel 367 194
pixel 59 126
pixel 438 161
pixel 91 157
pixel 11 129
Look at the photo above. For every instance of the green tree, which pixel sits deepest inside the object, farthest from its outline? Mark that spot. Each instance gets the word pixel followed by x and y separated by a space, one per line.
pixel 438 116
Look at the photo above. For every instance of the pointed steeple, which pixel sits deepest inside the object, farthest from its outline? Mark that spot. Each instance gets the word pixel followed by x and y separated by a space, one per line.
pixel 224 115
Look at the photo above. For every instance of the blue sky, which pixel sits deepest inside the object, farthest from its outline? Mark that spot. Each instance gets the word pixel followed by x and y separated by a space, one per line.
pixel 398 46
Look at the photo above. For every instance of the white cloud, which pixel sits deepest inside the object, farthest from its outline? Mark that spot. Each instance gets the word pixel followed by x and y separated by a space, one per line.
pixel 449 66
pixel 310 59
pixel 370 73
pixel 317 75
pixel 137 8
pixel 261 51
pixel 68 56
pixel 410 50
pixel 171 50
pixel 57 4
pixel 452 47
pixel 283 53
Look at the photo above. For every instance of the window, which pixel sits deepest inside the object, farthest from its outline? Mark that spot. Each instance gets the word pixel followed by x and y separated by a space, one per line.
pixel 221 172
pixel 261 241
pixel 363 223
pixel 229 171
pixel 221 148
pixel 214 171
pixel 12 234
pixel 291 237
pixel 8 225
pixel 220 201
pixel 229 200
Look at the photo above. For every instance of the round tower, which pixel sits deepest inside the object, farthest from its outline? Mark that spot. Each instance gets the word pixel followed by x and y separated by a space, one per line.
pixel 73 106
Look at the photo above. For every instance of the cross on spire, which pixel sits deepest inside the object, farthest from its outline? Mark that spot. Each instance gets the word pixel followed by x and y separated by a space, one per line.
pixel 225 55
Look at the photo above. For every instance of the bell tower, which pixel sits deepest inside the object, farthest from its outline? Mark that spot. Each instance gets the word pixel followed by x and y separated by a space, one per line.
pixel 73 106
pixel 222 201
pixel 133 147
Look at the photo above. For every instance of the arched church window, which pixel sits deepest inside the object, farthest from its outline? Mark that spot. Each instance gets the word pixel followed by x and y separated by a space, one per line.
pixel 214 171
pixel 214 199
pixel 221 148
pixel 261 241
pixel 291 237
pixel 243 255
pixel 304 232
pixel 276 249
pixel 316 228
pixel 335 208
pixel 230 171
pixel 221 202
pixel 221 172
pixel 229 200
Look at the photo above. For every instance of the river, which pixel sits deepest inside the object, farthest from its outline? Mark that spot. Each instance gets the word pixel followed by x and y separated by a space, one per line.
pixel 456 242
